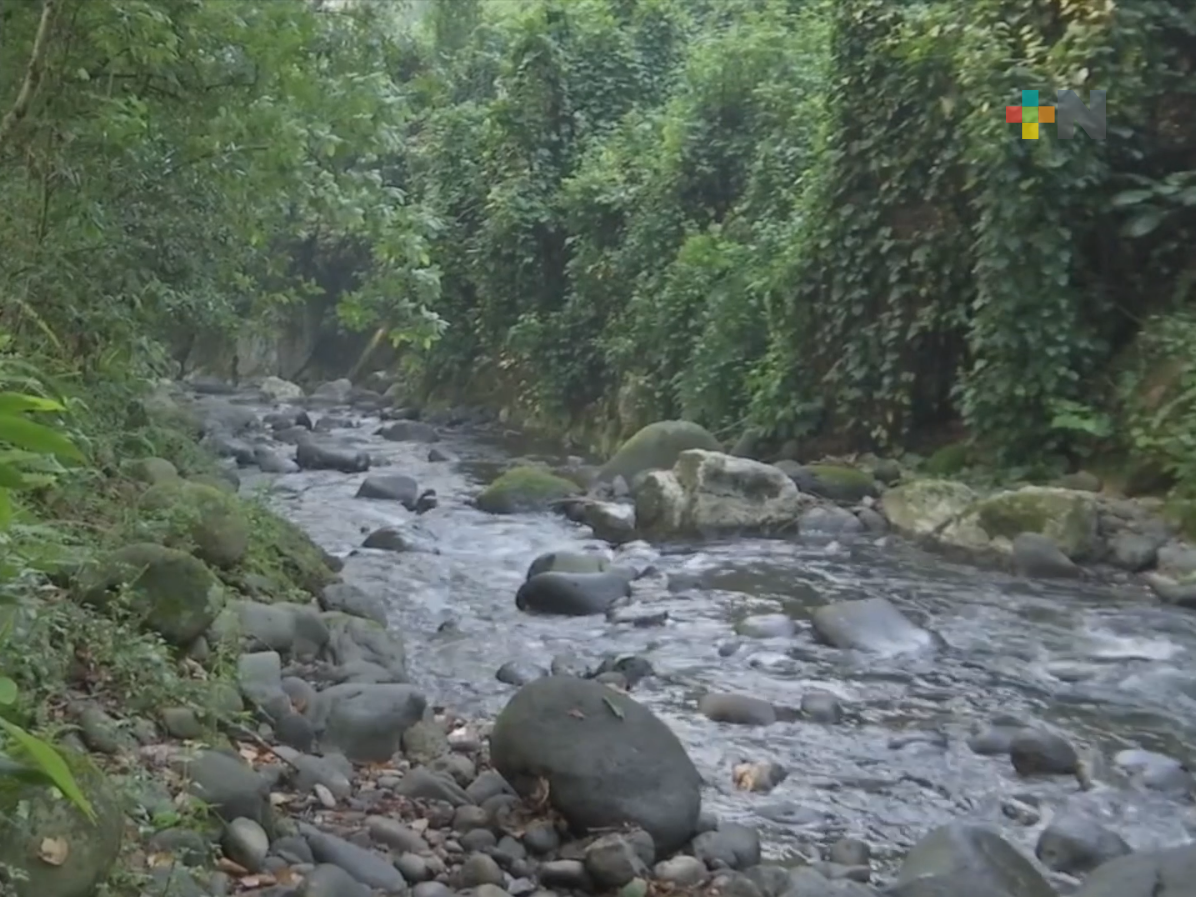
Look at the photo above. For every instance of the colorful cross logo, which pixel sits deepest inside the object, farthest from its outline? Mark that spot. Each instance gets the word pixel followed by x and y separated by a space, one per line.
pixel 1029 115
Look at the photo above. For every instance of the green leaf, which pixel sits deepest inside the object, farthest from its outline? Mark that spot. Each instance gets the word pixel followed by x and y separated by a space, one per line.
pixel 48 760
pixel 17 402
pixel 8 691
pixel 1144 223
pixel 24 433
pixel 1132 198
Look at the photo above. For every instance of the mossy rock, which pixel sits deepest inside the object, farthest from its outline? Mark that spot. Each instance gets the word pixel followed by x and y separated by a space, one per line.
pixel 170 592
pixel 1068 517
pixel 836 482
pixel 657 447
pixel 949 460
pixel 216 481
pixel 207 520
pixel 31 815
pixel 922 507
pixel 282 553
pixel 154 471
pixel 525 489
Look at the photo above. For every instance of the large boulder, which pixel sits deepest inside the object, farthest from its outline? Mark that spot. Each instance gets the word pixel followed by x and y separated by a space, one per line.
pixel 1067 517
pixel 208 521
pixel 278 390
pixel 656 447
pixel 170 591
pixel 573 594
pixel 710 491
pixel 925 507
pixel 831 481
pixel 607 760
pixel 975 855
pixel 78 852
pixel 525 489
pixel 1152 873
pixel 366 722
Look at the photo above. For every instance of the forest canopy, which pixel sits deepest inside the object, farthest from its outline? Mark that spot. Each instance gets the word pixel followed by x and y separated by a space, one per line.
pixel 807 218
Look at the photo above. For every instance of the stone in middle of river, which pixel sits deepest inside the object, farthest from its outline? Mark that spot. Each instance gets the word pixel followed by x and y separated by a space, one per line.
pixel 573 594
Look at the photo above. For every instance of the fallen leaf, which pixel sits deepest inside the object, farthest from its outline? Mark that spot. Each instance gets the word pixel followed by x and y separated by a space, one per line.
pixel 249 753
pixel 53 851
pixel 288 876
pixel 612 707
pixel 577 714
pixel 158 860
pixel 224 864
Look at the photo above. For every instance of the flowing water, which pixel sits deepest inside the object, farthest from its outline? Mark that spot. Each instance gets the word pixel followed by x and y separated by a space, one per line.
pixel 1108 666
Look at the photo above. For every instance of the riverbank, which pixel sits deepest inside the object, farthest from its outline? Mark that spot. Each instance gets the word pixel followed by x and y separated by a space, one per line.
pixel 824 762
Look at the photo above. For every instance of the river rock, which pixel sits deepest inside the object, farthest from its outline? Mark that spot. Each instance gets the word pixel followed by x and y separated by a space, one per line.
pixel 835 482
pixel 656 447
pixel 171 592
pixel 366 866
pixel 525 489
pixel 311 455
pixel 346 598
pixel 869 624
pixel 401 538
pixel 737 709
pixel 365 722
pixel 205 520
pixel 1155 771
pixel 568 562
pixel 278 390
pixel 709 492
pixel 607 759
pixel 1041 752
pixel 326 880
pixel 153 471
pixel 572 594
pixel 830 521
pixel 295 630
pixel 30 815
pixel 285 418
pixel 231 787
pixel 1070 519
pixel 731 846
pixel 332 392
pixel 1075 843
pixel 610 521
pixel 925 507
pixel 978 856
pixel 270 461
pixel 612 860
pixel 1038 556
pixel 1155 873
pixel 390 487
pixel 364 651
pixel 246 843
pixel 409 431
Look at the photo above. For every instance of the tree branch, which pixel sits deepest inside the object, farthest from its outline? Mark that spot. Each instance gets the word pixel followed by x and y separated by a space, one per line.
pixel 33 73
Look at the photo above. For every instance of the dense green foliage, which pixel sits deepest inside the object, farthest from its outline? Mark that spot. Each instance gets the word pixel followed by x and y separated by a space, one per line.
pixel 171 166
pixel 810 216
pixel 806 216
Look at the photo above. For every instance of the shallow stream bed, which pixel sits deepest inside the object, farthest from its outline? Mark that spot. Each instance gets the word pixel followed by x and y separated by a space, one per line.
pixel 1108 666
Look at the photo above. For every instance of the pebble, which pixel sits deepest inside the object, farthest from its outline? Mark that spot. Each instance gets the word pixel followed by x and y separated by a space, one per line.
pixel 246 843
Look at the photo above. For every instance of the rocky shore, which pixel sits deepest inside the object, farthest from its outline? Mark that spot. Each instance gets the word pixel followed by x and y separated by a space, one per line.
pixel 316 768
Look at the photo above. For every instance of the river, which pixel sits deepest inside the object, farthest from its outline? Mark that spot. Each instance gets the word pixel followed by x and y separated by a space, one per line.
pixel 1109 666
